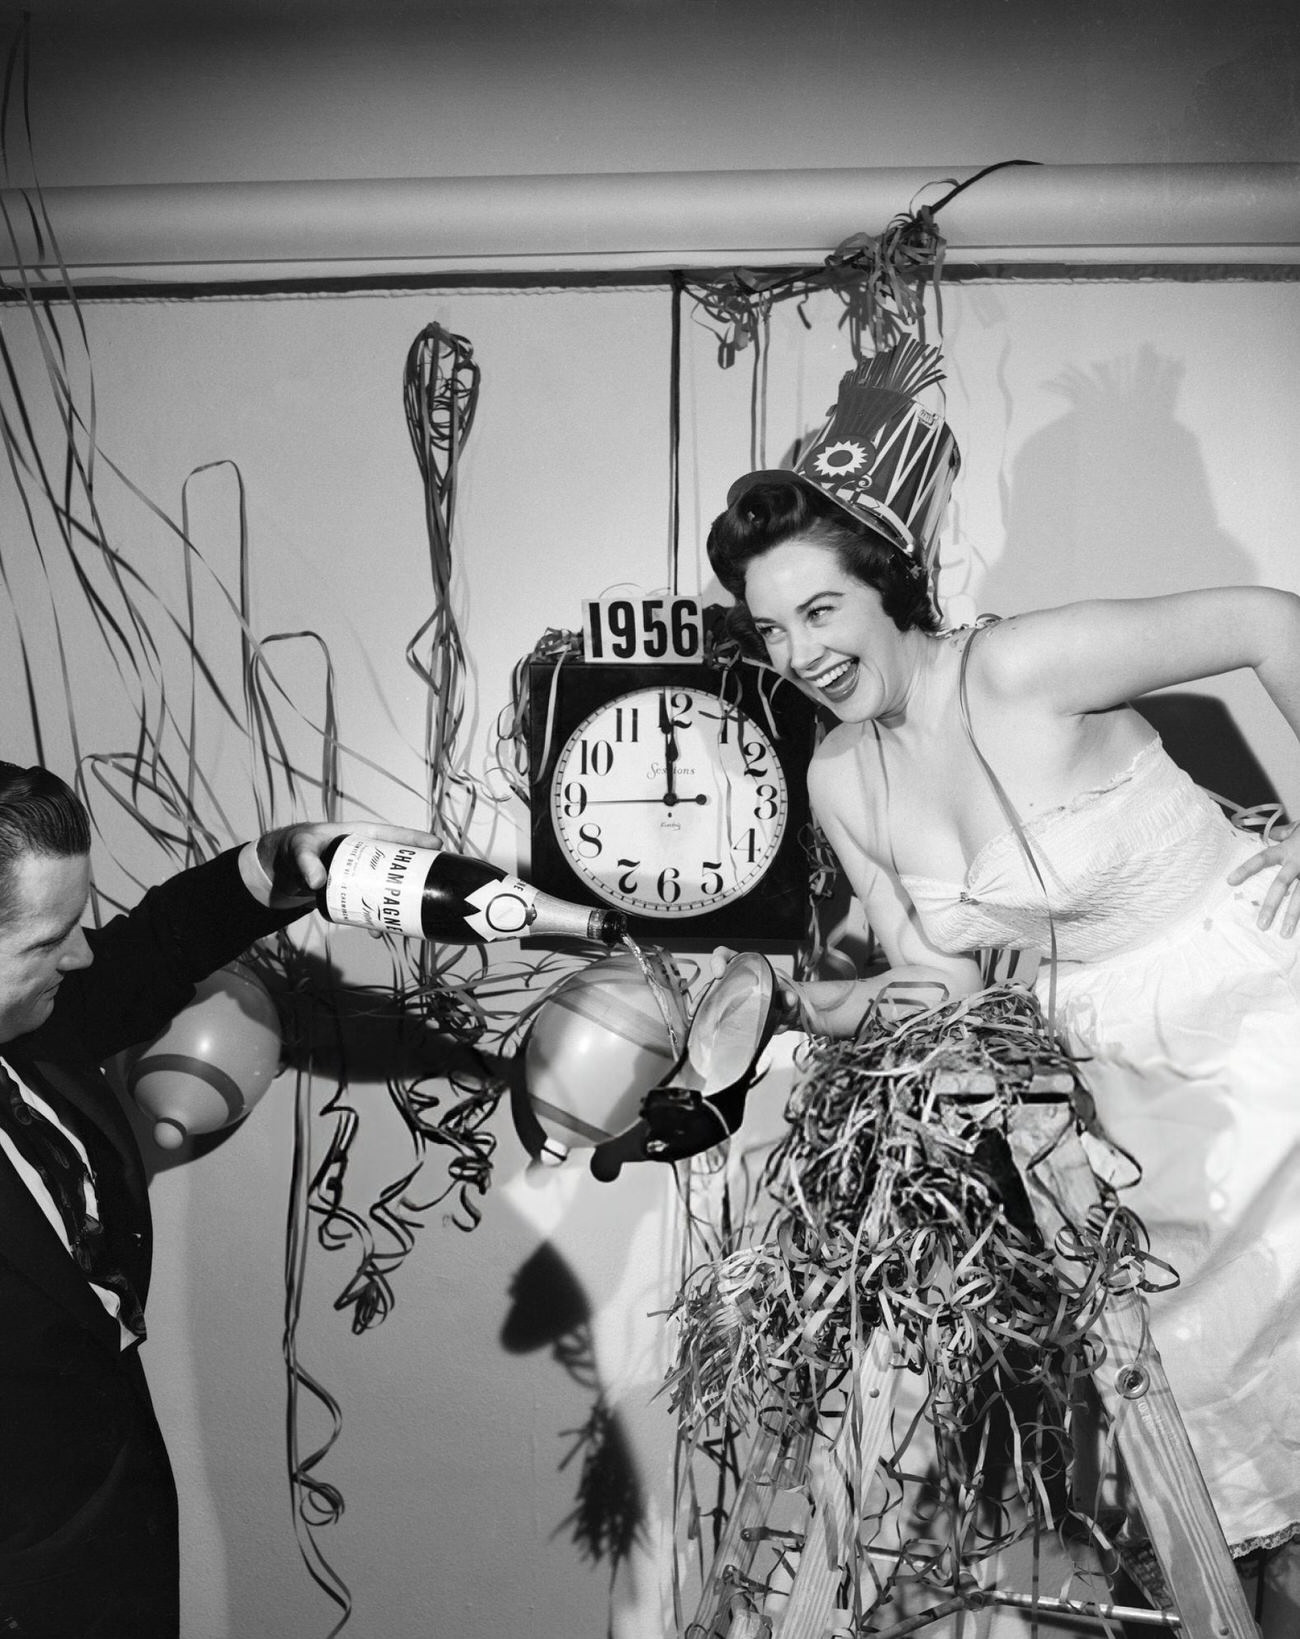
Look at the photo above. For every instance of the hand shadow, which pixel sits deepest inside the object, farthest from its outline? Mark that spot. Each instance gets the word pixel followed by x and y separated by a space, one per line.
pixel 549 1309
pixel 340 1032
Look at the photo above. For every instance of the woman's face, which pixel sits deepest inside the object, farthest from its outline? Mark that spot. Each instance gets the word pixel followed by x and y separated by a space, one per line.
pixel 826 630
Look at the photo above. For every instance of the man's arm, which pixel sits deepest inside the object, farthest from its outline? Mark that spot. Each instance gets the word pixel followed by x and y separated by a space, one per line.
pixel 149 959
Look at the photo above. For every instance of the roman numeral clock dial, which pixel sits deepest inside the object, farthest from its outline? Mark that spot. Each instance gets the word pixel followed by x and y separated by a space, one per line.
pixel 675 805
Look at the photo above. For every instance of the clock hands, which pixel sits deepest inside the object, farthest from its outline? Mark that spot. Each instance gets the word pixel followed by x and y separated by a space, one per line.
pixel 669 729
pixel 671 797
pixel 673 801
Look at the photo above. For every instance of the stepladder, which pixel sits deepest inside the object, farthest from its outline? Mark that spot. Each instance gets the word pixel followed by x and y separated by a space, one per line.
pixel 793 1561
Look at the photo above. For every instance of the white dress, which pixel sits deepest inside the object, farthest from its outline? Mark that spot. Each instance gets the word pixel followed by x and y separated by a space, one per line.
pixel 1191 1015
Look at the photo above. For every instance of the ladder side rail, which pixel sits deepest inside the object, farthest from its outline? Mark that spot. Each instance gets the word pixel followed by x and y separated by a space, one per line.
pixel 1166 1478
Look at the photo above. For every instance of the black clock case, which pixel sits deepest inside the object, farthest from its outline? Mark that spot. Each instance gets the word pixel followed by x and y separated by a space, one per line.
pixel 777 909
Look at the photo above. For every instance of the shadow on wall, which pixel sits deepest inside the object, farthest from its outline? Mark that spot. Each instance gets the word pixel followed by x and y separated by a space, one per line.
pixel 1202 737
pixel 549 1310
pixel 351 1035
pixel 1112 499
pixel 335 1028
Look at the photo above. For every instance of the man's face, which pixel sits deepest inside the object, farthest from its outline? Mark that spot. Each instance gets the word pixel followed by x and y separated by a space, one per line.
pixel 41 937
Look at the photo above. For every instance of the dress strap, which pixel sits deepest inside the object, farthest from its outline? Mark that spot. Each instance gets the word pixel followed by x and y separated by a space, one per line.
pixel 1009 810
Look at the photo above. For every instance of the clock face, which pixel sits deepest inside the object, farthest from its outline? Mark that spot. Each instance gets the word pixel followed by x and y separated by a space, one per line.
pixel 668 802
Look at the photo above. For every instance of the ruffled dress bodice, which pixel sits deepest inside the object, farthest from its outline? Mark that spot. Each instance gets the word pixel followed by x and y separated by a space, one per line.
pixel 1118 863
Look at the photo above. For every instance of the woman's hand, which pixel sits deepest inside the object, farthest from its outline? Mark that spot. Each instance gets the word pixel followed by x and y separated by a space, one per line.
pixel 1283 856
pixel 291 856
pixel 793 1015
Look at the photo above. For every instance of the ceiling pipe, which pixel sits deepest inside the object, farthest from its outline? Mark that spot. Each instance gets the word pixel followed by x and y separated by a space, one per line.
pixel 241 232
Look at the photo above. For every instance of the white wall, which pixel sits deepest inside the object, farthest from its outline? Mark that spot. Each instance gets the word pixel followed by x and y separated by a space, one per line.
pixel 1117 437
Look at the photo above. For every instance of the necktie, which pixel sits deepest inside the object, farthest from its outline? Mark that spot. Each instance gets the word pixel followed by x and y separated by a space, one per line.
pixel 60 1168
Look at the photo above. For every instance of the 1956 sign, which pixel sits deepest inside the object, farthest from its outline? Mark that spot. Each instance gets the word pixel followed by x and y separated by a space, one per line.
pixel 637 629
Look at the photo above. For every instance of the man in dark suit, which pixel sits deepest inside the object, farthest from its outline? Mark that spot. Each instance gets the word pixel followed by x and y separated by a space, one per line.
pixel 88 1515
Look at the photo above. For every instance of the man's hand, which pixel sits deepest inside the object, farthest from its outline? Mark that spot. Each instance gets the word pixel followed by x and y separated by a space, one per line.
pixel 291 856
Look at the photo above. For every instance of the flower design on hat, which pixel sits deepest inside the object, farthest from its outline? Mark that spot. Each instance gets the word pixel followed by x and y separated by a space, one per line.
pixel 838 460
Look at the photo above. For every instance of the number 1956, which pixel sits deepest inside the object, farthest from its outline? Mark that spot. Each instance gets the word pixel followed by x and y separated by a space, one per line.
pixel 640 629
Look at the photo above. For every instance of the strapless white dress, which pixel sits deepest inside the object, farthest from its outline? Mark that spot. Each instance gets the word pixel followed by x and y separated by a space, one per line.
pixel 1190 1015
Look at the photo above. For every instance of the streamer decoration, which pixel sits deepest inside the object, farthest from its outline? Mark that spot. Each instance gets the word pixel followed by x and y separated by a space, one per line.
pixel 891 1209
pixel 440 394
pixel 880 279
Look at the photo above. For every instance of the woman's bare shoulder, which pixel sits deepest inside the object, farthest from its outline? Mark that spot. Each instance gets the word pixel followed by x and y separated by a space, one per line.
pixel 1011 657
pixel 837 755
pixel 836 783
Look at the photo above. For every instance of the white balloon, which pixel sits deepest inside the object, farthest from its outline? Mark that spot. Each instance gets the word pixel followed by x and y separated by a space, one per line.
pixel 601 1040
pixel 212 1062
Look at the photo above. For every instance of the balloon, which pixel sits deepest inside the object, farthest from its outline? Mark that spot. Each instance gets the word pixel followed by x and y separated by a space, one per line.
pixel 597 1045
pixel 209 1066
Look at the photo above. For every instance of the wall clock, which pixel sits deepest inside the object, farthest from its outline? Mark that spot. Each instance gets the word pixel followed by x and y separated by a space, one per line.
pixel 672 795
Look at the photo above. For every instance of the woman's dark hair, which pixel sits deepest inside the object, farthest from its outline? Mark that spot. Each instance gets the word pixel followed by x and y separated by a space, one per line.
pixel 771 513
pixel 39 814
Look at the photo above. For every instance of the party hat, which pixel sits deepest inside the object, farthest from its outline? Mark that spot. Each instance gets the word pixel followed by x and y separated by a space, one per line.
pixel 884 458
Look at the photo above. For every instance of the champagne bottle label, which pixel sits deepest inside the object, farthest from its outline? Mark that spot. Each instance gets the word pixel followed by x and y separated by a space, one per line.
pixel 382 885
pixel 376 885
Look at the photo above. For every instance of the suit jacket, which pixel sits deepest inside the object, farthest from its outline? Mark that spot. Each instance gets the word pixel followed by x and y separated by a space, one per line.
pixel 87 1504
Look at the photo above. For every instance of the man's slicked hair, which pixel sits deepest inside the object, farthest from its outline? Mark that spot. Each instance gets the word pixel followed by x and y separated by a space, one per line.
pixel 39 814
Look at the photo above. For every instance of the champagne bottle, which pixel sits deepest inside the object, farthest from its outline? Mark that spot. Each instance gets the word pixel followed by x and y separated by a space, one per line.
pixel 426 893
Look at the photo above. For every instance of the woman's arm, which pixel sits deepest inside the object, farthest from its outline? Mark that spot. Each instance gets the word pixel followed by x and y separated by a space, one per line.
pixel 918 975
pixel 837 1007
pixel 1090 657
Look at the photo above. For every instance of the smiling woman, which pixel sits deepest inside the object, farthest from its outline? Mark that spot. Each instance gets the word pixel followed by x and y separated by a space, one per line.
pixel 828 625
pixel 992 787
